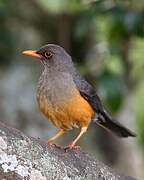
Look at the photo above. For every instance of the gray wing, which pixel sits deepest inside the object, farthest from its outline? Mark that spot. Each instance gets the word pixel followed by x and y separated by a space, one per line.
pixel 88 92
pixel 104 119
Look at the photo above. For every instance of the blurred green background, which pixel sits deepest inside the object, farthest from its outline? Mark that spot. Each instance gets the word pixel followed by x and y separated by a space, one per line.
pixel 106 41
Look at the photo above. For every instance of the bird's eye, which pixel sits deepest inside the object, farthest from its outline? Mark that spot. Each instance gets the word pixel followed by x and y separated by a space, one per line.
pixel 48 55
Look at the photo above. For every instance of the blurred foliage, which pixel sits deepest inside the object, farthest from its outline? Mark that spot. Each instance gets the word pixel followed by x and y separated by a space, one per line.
pixel 139 111
pixel 111 89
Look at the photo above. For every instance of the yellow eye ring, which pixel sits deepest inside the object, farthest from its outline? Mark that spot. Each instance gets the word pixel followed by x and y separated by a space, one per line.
pixel 48 55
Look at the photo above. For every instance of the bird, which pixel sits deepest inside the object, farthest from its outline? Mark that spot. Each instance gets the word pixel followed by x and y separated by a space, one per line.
pixel 67 99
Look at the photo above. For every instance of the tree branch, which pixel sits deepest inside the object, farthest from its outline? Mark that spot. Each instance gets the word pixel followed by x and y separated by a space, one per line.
pixel 23 157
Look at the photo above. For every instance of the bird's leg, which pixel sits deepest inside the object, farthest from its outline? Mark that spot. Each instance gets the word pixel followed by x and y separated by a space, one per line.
pixel 72 144
pixel 59 134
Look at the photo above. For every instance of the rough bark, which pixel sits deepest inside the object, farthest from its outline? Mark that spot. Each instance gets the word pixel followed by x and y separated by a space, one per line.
pixel 23 157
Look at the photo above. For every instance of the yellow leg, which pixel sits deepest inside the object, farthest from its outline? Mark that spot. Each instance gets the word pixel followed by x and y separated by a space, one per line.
pixel 59 134
pixel 83 130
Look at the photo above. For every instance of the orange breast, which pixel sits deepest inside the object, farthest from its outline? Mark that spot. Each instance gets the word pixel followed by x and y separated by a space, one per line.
pixel 74 112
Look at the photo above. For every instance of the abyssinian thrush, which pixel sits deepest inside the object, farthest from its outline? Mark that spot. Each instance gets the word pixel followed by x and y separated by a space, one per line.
pixel 66 98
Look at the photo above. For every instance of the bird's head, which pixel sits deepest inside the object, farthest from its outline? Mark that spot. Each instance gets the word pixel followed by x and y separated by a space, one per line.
pixel 52 57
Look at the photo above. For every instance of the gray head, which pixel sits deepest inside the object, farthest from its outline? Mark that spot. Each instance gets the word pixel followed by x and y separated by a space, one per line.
pixel 53 57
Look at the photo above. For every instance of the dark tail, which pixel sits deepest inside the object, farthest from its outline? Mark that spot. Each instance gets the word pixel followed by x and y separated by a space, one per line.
pixel 104 120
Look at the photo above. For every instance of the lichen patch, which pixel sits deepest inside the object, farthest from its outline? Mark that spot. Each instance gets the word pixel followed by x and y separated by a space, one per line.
pixel 35 174
pixel 3 144
pixel 10 163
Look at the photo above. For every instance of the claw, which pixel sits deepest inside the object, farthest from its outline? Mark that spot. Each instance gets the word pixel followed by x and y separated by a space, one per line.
pixel 70 147
pixel 50 143
pixel 55 145
pixel 58 146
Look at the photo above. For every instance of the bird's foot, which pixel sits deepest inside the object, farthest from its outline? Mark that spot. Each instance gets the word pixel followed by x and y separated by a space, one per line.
pixel 55 145
pixel 50 143
pixel 66 148
pixel 58 146
pixel 71 146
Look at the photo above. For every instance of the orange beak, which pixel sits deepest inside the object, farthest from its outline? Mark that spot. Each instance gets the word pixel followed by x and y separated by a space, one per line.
pixel 31 53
